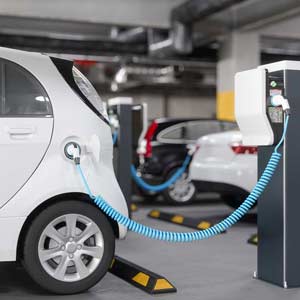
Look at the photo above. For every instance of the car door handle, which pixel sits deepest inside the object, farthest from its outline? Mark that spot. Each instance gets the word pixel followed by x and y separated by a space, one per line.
pixel 20 132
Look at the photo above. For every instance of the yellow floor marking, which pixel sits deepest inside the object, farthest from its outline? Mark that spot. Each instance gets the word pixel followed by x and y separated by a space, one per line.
pixel 155 213
pixel 162 284
pixel 112 263
pixel 141 278
pixel 177 219
pixel 133 207
pixel 203 225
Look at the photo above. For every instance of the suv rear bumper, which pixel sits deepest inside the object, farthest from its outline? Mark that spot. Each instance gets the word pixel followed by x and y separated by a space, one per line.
pixel 218 187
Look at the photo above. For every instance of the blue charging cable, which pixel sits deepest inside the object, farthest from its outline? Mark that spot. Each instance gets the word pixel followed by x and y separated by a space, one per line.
pixel 160 187
pixel 201 234
pixel 115 137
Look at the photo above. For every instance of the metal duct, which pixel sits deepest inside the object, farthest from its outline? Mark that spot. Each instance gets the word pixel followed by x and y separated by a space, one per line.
pixel 252 15
pixel 194 10
pixel 135 34
pixel 182 19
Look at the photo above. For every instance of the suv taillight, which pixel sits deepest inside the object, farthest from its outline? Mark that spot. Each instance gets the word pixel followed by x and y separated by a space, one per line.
pixel 148 138
pixel 240 149
pixel 193 148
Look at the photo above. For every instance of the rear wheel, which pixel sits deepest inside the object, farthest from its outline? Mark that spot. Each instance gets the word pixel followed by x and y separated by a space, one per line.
pixel 68 247
pixel 181 192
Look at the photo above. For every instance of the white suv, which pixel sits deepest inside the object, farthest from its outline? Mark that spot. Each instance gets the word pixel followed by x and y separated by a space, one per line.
pixel 221 164
pixel 46 218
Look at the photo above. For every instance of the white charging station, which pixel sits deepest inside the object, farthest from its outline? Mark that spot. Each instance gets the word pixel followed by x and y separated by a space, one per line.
pixel 261 121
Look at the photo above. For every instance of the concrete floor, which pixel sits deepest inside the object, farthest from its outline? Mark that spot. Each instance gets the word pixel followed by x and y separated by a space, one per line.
pixel 218 268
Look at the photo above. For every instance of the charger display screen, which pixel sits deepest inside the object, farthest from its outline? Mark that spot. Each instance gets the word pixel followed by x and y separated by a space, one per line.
pixel 275 114
pixel 275 87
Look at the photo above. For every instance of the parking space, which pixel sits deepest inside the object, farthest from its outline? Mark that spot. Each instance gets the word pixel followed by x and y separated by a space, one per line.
pixel 149 149
pixel 219 268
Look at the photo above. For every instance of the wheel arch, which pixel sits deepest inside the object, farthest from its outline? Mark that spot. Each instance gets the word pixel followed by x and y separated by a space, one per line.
pixel 56 199
pixel 172 165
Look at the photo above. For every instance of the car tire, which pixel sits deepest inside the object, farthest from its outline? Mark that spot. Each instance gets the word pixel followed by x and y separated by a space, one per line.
pixel 181 192
pixel 84 242
pixel 234 200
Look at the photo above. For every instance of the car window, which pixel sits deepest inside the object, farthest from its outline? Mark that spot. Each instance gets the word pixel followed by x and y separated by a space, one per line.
pixel 194 130
pixel 173 132
pixel 22 94
pixel 188 132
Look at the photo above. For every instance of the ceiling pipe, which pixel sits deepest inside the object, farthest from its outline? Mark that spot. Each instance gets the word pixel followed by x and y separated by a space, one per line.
pixel 185 15
pixel 195 10
pixel 252 15
pixel 182 19
pixel 130 35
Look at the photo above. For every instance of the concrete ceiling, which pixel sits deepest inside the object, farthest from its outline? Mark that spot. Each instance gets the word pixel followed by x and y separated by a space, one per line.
pixel 115 34
pixel 265 17
pixel 150 13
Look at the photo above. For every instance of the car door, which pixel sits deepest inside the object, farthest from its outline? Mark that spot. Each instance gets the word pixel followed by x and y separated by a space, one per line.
pixel 26 123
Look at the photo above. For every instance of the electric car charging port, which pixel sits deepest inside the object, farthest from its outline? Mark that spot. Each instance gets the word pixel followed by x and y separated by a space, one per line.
pixel 72 150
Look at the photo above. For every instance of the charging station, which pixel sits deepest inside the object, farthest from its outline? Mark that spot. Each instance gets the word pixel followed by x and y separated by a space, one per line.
pixel 278 208
pixel 261 123
pixel 130 122
pixel 122 109
pixel 262 110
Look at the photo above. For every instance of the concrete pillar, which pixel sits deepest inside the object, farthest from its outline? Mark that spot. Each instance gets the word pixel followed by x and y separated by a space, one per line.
pixel 239 51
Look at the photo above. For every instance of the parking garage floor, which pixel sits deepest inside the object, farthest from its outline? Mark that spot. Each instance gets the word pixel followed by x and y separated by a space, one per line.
pixel 218 268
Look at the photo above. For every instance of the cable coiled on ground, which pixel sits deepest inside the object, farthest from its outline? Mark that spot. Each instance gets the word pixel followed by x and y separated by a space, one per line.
pixel 196 235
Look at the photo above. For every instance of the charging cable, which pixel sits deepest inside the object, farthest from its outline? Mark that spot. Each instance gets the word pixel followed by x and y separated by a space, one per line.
pixel 228 222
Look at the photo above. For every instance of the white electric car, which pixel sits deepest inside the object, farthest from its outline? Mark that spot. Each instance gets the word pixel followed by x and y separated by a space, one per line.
pixel 223 165
pixel 47 221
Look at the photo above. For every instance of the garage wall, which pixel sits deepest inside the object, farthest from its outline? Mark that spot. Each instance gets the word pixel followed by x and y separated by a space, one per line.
pixel 160 105
pixel 191 106
pixel 156 104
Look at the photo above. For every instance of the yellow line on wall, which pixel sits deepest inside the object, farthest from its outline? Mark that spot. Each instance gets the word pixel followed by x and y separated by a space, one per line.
pixel 225 106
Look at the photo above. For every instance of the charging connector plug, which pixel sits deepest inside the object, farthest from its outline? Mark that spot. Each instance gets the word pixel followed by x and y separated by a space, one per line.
pixel 279 100
pixel 72 151
pixel 76 154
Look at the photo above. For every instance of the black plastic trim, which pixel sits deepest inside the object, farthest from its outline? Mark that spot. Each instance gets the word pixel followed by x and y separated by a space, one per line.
pixel 218 187
pixel 65 69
